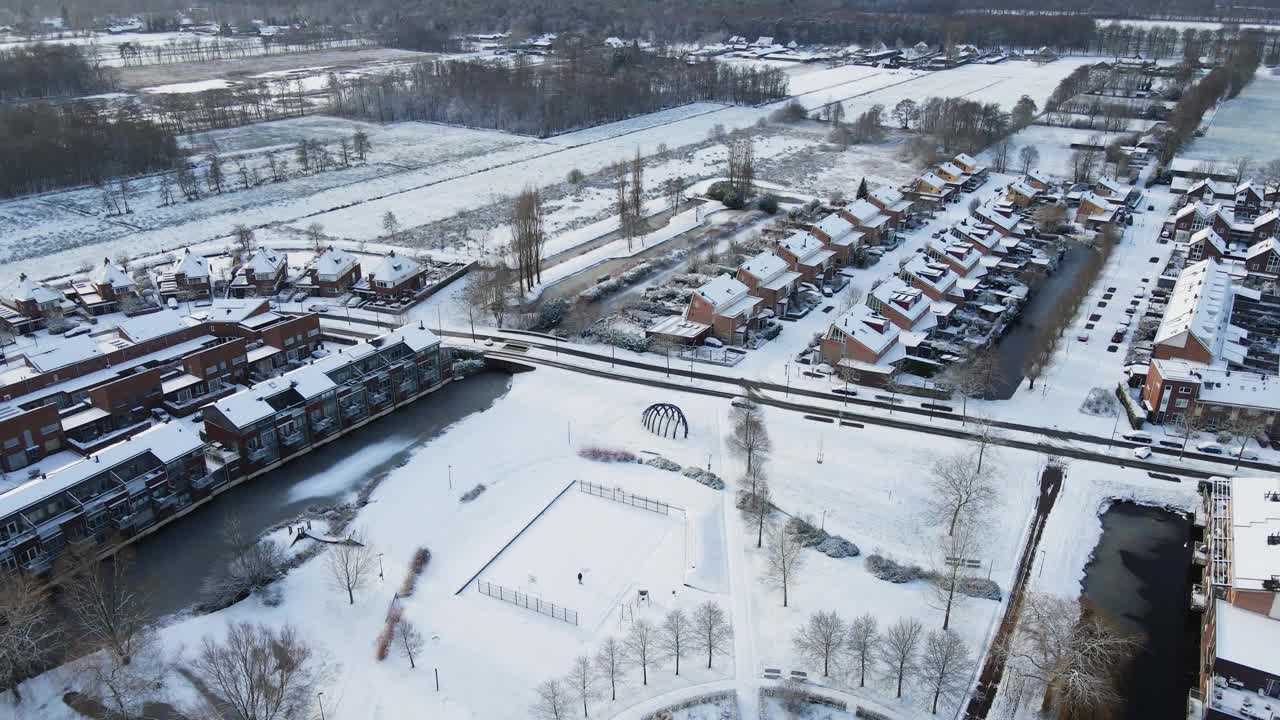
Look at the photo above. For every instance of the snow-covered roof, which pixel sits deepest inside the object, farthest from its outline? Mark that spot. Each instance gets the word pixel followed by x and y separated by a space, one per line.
pixel 1115 187
pixel 836 227
pixel 265 261
pixel 863 212
pixel 887 196
pixel 110 274
pixel 936 275
pixel 142 328
pixel 867 327
pixel 1199 306
pixel 1255 516
pixel 951 168
pixel 1263 246
pixel 167 442
pixel 1039 177
pixel 191 265
pixel 934 180
pixel 1247 638
pixel 959 252
pixel 764 266
pixel 395 269
pixel 807 248
pixel 905 300
pixel 966 159
pixel 225 310
pixel 1023 189
pixel 722 292
pixel 1216 187
pixel 334 261
pixel 1208 235
pixel 28 289
pixel 1103 204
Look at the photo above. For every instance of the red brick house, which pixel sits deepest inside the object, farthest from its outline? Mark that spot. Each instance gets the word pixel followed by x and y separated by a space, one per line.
pixel 904 306
pixel 1263 258
pixel 187 278
pixel 839 235
pixel 1205 243
pixel 106 287
pixel 395 276
pixel 862 342
pixel 806 255
pixel 1196 315
pixel 332 273
pixel 1021 194
pixel 767 277
pixel 261 275
pixel 935 279
pixel 29 304
pixel 727 306
pixel 876 226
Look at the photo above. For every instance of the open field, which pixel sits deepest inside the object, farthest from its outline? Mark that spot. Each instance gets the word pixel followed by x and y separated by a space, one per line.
pixel 360 59
pixel 1243 126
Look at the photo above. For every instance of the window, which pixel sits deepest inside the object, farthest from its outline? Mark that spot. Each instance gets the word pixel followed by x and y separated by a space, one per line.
pixel 11 528
pixel 1273 263
pixel 288 428
pixel 1180 404
pixel 238 360
pixel 50 429
pixel 11 443
pixel 1184 390
pixel 1196 252
pixel 313 332
pixel 8 562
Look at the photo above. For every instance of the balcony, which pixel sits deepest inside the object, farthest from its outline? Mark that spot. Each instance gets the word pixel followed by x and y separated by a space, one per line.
pixel 293 439
pixel 261 455
pixel 352 411
pixel 378 398
pixel 1199 599
pixel 323 425
pixel 40 564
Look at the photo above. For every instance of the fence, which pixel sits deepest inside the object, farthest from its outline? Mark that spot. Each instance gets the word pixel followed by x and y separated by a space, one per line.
pixel 622 496
pixel 515 597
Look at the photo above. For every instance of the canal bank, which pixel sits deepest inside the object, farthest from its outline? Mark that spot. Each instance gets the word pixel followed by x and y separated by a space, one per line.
pixel 1140 576
pixel 173 563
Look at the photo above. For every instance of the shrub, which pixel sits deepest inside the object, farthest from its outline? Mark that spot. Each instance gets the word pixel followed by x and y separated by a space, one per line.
pixel 419 563
pixel 1099 402
pixel 705 477
pixel 811 536
pixel 771 331
pixel 768 203
pixel 551 314
pixel 893 571
pixel 384 637
pixel 473 493
pixel 837 547
pixel 663 464
pixel 465 368
pixel 575 177
pixel 792 112
pixel 608 455
pixel 735 201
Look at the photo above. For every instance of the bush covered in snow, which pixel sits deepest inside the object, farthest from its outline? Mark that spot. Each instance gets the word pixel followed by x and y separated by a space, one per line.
pixel 1099 401
pixel 812 536
pixel 663 464
pixel 604 454
pixel 551 314
pixel 419 563
pixel 635 342
pixel 770 331
pixel 893 571
pixel 473 493
pixel 981 588
pixel 705 477
pixel 465 368
pixel 627 278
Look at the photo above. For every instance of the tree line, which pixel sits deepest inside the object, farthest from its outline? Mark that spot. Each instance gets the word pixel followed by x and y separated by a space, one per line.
pixel 36 71
pixel 49 147
pixel 1224 81
pixel 583 89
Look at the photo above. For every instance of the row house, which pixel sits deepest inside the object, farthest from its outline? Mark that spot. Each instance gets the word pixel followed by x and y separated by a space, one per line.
pixel 1263 258
pixel 806 255
pixel 863 345
pixel 1039 180
pixel 1117 192
pixel 1004 220
pixel 276 420
pixel 905 306
pixel 1022 194
pixel 767 277
pixel 1218 396
pixel 29 304
pixel 936 279
pixel 395 277
pixel 263 274
pixel 892 203
pixel 28 435
pixel 333 272
pixel 839 235
pixel 1239 669
pixel 1249 201
pixel 104 289
pixel 963 259
pixel 969 164
pixel 1096 212
pixel 876 227
pixel 1193 217
pixel 1210 191
pixel 931 190
pixel 188 278
pixel 953 175
pixel 1196 322
pixel 727 307
pixel 105 498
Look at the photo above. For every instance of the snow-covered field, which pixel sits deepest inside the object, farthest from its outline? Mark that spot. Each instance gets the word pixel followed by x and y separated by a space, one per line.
pixel 1242 125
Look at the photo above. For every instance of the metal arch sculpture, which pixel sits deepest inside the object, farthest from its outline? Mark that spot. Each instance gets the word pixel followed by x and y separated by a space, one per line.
pixel 661 417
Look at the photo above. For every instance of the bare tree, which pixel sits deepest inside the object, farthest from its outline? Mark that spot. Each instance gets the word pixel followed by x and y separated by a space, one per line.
pixel 712 631
pixel 351 565
pixel 244 239
pixel 958 490
pixel 408 639
pixel 104 604
pixel 315 237
pixel 622 198
pixel 674 637
pixel 258 672
pixel 582 680
pixel 1070 651
pixel 675 192
pixel 783 559
pixel 390 226
pixel 166 189
pixel 1240 165
pixel 944 668
pixel 749 437
pixel 899 647
pixel 864 644
pixel 973 379
pixel 360 144
pixel 29 629
pixel 528 238
pixel 253 563
pixel 1000 153
pixel 1246 428
pixel 1028 156
pixel 213 174
pixel 126 686
pixel 951 574
pixel 640 646
pixel 553 701
pixel 821 640
pixel 636 199
pixel 1189 424
pixel 759 508
pixel 611 662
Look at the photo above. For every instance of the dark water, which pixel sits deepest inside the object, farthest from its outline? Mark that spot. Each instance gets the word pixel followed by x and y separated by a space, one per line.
pixel 1043 305
pixel 173 563
pixel 1140 576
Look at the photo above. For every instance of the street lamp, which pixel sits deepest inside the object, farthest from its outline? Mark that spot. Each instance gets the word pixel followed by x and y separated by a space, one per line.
pixel 450 477
pixel 787 369
pixel 824 521
pixel 379 566
pixel 320 699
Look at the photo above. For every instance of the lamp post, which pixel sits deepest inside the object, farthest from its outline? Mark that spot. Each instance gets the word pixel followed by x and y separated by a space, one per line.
pixel 380 566
pixel 787 369
pixel 450 477
pixel 320 699
pixel 824 521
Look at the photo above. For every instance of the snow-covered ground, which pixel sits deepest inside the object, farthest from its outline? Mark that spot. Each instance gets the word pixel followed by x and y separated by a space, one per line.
pixel 1240 127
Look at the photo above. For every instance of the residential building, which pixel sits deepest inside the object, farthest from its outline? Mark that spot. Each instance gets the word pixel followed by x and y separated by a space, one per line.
pixel 1219 397
pixel 188 278
pixel 863 344
pixel 876 226
pixel 839 235
pixel 931 190
pixel 905 306
pixel 1096 212
pixel 29 304
pixel 892 203
pixel 1022 194
pixel 1117 192
pixel 806 255
pixel 935 279
pixel 394 277
pixel 767 277
pixel 331 273
pixel 1197 314
pixel 727 307
pixel 261 275
pixel 1263 258
pixel 104 289
pixel 1038 180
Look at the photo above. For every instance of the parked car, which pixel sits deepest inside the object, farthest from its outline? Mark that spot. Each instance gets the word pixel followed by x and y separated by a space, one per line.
pixel 1142 453
pixel 1211 449
pixel 1117 337
pixel 317 308
pixel 1248 455
pixel 1083 337
pixel 299 296
pixel 1138 436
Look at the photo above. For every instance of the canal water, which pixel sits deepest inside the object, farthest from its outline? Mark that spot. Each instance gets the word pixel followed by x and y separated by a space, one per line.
pixel 1021 336
pixel 173 564
pixel 1140 576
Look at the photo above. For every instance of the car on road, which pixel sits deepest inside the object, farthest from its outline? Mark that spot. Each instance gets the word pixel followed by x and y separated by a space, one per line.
pixel 1142 453
pixel 1138 436
pixel 1211 449
pixel 317 308
pixel 1083 337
